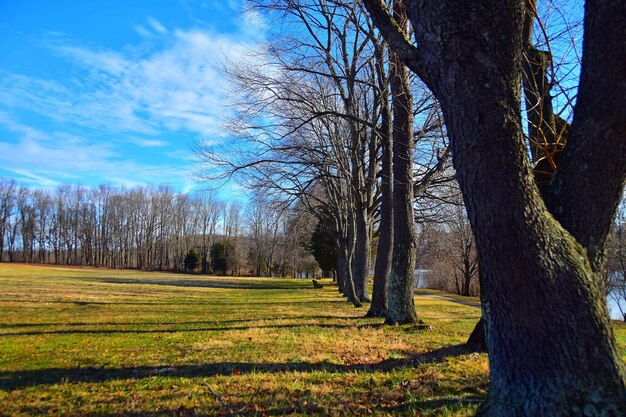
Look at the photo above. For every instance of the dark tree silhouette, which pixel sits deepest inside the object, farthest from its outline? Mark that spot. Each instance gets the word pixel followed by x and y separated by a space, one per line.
pixel 323 247
pixel 192 260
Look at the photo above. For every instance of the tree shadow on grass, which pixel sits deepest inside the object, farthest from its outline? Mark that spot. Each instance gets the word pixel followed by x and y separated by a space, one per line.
pixel 208 303
pixel 172 323
pixel 175 330
pixel 10 380
pixel 205 283
pixel 241 408
pixel 299 408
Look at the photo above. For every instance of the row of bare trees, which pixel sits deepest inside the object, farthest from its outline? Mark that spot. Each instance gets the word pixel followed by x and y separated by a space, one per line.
pixel 141 227
pixel 540 219
pixel 147 228
pixel 325 117
pixel 333 118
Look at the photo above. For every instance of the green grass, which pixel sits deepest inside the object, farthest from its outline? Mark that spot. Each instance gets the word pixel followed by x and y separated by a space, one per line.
pixel 97 342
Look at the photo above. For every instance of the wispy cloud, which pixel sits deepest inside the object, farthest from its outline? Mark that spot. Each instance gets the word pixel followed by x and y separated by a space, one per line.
pixel 24 176
pixel 151 28
pixel 47 159
pixel 149 143
pixel 253 23
pixel 157 26
pixel 176 87
pixel 142 31
pixel 146 95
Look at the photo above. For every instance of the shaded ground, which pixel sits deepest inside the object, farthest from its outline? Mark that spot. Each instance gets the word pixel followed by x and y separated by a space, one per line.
pixel 31 378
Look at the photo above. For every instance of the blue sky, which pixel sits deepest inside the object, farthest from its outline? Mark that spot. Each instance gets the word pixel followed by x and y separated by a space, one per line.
pixel 114 91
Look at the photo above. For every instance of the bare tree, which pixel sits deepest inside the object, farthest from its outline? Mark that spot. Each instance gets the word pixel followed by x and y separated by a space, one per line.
pixel 209 211
pixel 142 227
pixel 293 254
pixel 27 224
pixel 401 308
pixel 322 106
pixel 7 204
pixel 464 255
pixel 541 259
pixel 263 220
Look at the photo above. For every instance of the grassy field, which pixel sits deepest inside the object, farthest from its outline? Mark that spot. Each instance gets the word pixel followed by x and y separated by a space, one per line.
pixel 96 342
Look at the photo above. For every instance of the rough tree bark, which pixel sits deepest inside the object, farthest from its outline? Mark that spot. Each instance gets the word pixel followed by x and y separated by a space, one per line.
pixel 477 341
pixel 552 351
pixel 362 251
pixel 547 132
pixel 382 267
pixel 339 256
pixel 345 248
pixel 401 306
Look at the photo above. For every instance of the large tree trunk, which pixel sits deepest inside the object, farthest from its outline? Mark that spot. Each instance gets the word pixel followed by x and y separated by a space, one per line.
pixel 401 306
pixel 346 248
pixel 384 251
pixel 362 253
pixel 551 348
pixel 547 132
pixel 350 249
pixel 477 341
pixel 547 325
pixel 339 261
pixel 467 280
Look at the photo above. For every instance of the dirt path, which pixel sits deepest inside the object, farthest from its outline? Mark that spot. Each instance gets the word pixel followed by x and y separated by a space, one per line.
pixel 452 300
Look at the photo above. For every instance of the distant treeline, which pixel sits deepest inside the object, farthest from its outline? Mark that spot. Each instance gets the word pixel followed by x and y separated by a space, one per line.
pixel 145 227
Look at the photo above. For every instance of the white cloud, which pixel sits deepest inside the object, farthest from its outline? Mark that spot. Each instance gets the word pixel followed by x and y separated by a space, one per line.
pixel 151 28
pixel 182 154
pixel 253 24
pixel 157 26
pixel 49 150
pixel 142 31
pixel 147 94
pixel 46 159
pixel 149 143
pixel 105 61
pixel 177 87
pixel 25 176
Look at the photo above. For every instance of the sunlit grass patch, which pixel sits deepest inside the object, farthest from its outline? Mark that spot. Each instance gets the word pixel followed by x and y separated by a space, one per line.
pixel 95 342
